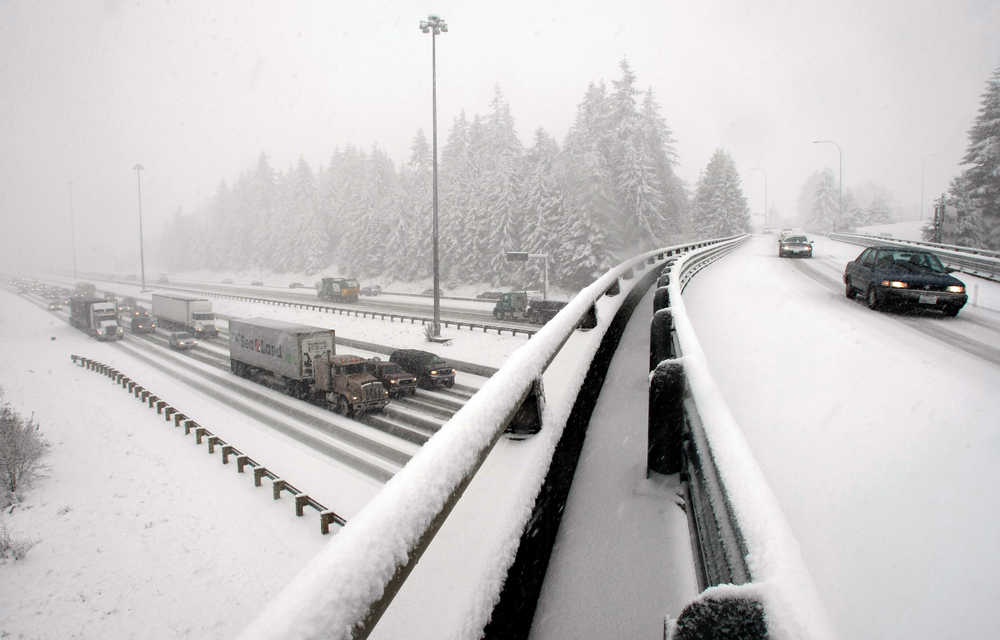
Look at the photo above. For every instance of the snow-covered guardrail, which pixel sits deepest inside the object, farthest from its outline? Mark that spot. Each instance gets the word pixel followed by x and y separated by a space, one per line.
pixel 346 589
pixel 170 413
pixel 755 581
pixel 978 262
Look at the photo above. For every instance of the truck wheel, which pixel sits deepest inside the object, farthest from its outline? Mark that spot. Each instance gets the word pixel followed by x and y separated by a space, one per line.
pixel 341 406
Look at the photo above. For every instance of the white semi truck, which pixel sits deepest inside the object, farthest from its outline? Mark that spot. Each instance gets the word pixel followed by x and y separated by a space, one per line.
pixel 178 311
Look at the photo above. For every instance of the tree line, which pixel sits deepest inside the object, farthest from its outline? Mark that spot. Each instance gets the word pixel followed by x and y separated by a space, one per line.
pixel 608 191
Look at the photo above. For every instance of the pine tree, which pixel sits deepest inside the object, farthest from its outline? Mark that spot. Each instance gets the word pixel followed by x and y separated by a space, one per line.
pixel 543 201
pixel 981 180
pixel 720 208
pixel 824 206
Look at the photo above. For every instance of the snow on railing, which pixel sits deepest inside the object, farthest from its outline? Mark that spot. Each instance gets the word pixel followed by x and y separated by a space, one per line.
pixel 344 591
pixel 979 262
pixel 750 560
pixel 228 450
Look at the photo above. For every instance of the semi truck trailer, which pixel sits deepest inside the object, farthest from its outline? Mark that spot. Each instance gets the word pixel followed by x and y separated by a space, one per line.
pixel 178 311
pixel 301 360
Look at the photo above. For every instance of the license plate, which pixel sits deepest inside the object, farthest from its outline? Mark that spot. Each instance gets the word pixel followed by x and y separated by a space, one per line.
pixel 926 299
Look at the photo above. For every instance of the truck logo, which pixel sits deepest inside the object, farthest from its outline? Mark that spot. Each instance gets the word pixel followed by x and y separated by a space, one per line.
pixel 258 345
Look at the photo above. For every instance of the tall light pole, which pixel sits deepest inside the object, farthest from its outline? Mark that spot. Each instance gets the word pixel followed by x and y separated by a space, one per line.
pixel 434 25
pixel 840 155
pixel 142 259
pixel 764 173
pixel 72 227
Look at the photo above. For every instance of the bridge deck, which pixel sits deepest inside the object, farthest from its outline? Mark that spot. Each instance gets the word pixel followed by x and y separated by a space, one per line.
pixel 622 560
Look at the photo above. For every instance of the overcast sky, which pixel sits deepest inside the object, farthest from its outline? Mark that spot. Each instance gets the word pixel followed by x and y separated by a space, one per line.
pixel 194 91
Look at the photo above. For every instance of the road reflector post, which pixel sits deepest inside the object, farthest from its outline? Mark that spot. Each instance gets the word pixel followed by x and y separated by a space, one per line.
pixel 661 344
pixel 528 419
pixel 661 298
pixel 666 418
pixel 722 618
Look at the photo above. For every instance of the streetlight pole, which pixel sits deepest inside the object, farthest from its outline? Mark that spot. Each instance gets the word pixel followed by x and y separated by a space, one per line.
pixel 142 259
pixel 840 155
pixel 435 26
pixel 72 227
pixel 764 173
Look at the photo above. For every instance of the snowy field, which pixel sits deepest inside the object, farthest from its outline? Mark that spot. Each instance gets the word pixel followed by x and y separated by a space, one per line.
pixel 139 532
pixel 877 432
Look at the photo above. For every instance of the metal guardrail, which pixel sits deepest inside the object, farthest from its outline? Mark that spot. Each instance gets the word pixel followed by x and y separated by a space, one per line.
pixel 363 313
pixel 278 484
pixel 753 577
pixel 348 599
pixel 978 262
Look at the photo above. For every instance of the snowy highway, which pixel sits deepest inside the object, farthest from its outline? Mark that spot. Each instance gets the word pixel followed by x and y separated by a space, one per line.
pixel 876 430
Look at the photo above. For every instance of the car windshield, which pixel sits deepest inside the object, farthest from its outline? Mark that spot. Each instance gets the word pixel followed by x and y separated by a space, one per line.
pixel 912 261
pixel 798 239
pixel 391 368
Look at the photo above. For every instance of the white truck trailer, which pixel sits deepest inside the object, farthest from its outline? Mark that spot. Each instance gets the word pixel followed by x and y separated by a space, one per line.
pixel 281 354
pixel 178 311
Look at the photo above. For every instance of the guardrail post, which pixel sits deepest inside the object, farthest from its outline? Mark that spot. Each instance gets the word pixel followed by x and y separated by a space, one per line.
pixel 276 486
pixel 528 419
pixel 614 289
pixel 661 298
pixel 188 425
pixel 212 441
pixel 199 433
pixel 661 344
pixel 722 619
pixel 241 461
pixel 178 418
pixel 168 412
pixel 227 450
pixel 301 501
pixel 258 473
pixel 666 418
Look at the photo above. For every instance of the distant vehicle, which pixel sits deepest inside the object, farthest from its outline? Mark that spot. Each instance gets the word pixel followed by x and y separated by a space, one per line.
pixel 130 276
pixel 181 340
pixel 393 377
pixel 431 371
pixel 85 289
pixel 256 283
pixel 337 289
pixel 373 290
pixel 163 279
pixel 430 292
pixel 795 246
pixel 296 285
pixel 184 312
pixel 126 304
pixel 227 281
pixel 895 276
pixel 489 295
pixel 55 306
pixel 519 305
pixel 142 323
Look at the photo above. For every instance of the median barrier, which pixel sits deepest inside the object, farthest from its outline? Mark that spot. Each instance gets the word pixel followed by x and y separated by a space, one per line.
pixel 326 516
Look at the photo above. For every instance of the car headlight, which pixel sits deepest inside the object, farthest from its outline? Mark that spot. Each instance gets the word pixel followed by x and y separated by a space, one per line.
pixel 434 373
pixel 393 381
pixel 955 288
pixel 895 284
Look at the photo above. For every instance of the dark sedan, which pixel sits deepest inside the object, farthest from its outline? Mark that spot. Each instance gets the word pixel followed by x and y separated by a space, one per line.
pixel 896 276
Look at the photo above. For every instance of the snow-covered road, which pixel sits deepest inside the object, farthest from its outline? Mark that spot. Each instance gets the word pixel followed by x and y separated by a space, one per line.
pixel 877 431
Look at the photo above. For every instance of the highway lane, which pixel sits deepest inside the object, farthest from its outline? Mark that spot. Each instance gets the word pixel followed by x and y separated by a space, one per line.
pixel 876 431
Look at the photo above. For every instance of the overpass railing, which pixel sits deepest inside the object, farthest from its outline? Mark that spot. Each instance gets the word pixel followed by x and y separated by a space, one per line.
pixel 978 262
pixel 755 583
pixel 345 592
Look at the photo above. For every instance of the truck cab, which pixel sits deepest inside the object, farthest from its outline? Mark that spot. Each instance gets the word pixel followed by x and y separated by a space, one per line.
pixel 512 305
pixel 338 289
pixel 347 386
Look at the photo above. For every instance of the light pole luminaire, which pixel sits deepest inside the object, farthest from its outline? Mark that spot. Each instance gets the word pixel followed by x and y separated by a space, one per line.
pixel 840 156
pixel 142 260
pixel 434 25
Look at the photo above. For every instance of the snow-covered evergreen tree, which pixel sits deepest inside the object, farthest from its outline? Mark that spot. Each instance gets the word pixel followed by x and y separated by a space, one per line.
pixel 981 178
pixel 720 207
pixel 824 208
